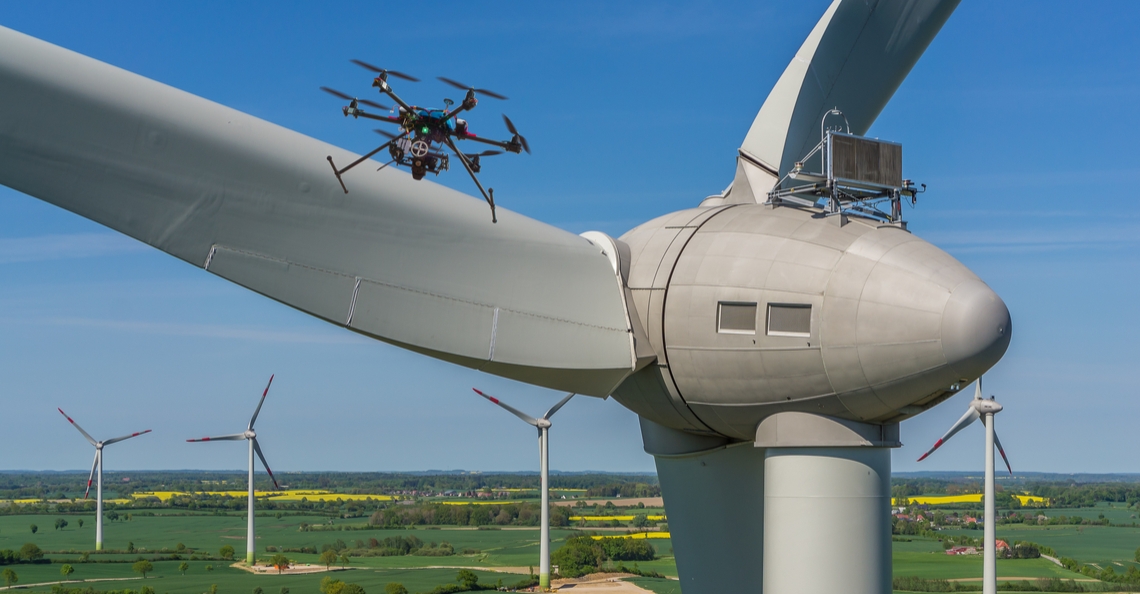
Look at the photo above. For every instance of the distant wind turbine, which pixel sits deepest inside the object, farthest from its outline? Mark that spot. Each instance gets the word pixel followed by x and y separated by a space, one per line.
pixel 97 465
pixel 981 408
pixel 251 436
pixel 543 425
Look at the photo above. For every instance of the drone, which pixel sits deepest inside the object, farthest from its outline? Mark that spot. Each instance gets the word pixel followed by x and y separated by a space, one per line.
pixel 427 133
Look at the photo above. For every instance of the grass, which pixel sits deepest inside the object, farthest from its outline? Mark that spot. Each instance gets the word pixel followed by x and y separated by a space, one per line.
pixel 1087 544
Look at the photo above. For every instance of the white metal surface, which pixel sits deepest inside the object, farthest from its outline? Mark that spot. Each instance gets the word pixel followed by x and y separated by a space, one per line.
pixel 989 554
pixel 827 522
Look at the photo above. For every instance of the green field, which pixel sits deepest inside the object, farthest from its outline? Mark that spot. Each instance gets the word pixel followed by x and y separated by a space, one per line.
pixel 1087 544
pixel 926 558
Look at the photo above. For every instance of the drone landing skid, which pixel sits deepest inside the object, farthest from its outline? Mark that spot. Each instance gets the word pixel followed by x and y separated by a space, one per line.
pixel 337 174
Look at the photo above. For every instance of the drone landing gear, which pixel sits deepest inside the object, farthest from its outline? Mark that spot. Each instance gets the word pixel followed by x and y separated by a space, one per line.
pixel 488 196
pixel 339 172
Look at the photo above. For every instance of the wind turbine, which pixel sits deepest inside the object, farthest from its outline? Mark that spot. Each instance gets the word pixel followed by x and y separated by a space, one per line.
pixel 251 436
pixel 98 465
pixel 543 426
pixel 981 408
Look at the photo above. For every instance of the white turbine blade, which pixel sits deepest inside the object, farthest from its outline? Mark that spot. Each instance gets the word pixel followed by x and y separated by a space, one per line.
pixel 554 409
pixel 512 410
pixel 978 389
pixel 569 326
pixel 997 442
pixel 256 412
pixel 257 449
pixel 118 439
pixel 76 425
pixel 970 416
pixel 234 437
pixel 91 476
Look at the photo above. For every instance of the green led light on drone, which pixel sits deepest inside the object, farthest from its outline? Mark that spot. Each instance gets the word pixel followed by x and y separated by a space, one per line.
pixel 424 130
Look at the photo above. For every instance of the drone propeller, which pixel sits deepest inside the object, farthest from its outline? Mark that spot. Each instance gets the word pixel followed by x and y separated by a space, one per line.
pixel 460 85
pixel 515 132
pixel 347 97
pixel 384 133
pixel 482 154
pixel 379 70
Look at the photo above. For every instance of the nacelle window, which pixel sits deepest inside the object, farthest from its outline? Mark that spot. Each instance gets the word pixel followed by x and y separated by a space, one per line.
pixel 736 318
pixel 789 319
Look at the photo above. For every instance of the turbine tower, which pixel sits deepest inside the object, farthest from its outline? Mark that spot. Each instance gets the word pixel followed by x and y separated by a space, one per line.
pixel 543 426
pixel 251 436
pixel 984 409
pixel 97 465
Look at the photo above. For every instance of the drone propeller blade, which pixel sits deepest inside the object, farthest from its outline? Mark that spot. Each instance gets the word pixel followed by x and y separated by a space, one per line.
pixel 384 133
pixel 460 85
pixel 514 131
pixel 374 104
pixel 257 448
pixel 92 475
pixel 379 70
pixel 482 154
pixel 337 93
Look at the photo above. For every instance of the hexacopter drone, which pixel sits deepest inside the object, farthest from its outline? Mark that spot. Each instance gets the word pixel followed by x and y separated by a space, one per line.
pixel 427 132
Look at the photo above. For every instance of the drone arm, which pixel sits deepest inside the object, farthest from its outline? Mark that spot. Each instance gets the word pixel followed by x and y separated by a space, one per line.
pixel 389 119
pixel 387 90
pixel 458 110
pixel 466 165
pixel 499 143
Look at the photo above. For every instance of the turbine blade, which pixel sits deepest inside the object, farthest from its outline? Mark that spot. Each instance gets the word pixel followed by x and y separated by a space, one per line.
pixel 257 448
pixel 997 442
pixel 76 425
pixel 234 437
pixel 554 409
pixel 263 394
pixel 970 416
pixel 118 439
pixel 529 419
pixel 91 476
pixel 978 389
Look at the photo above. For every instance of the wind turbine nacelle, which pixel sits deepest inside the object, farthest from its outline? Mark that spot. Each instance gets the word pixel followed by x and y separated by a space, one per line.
pixel 753 310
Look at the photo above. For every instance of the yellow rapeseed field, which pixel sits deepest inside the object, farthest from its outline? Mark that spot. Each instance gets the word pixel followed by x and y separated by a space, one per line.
pixel 609 518
pixel 289 495
pixel 969 498
pixel 635 536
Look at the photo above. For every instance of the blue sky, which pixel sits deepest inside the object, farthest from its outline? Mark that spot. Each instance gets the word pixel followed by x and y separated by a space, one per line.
pixel 1020 118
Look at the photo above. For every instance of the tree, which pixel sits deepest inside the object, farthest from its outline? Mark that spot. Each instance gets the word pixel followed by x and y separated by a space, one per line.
pixel 31 552
pixel 467 579
pixel 327 558
pixel 331 586
pixel 143 566
pixel 34 528
pixel 80 522
pixel 213 589
pixel 130 546
pixel 258 590
pixel 226 552
pixel 66 570
pixel 344 559
pixel 10 577
pixel 352 589
pixel 395 588
pixel 284 590
pixel 182 567
pixel 281 562
pixel 112 515
pixel 209 568
pixel 60 523
pixel 1138 555
pixel 147 590
pixel 180 547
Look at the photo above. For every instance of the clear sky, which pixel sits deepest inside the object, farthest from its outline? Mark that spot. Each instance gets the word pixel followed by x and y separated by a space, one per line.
pixel 1021 118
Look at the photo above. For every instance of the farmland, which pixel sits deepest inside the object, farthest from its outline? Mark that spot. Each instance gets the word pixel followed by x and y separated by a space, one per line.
pixel 496 535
